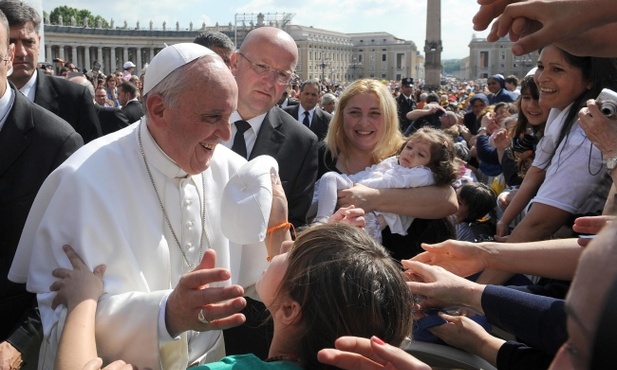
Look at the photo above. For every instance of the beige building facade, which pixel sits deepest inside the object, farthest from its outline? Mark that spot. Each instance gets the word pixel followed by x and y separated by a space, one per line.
pixel 326 55
pixel 487 58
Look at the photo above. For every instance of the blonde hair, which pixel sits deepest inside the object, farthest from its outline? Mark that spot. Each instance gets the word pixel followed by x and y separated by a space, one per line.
pixel 337 142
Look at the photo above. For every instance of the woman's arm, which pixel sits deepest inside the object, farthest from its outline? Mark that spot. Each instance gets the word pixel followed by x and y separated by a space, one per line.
pixel 531 183
pixel 429 202
pixel 538 224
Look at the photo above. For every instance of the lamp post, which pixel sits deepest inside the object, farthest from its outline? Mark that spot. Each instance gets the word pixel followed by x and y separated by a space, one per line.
pixel 354 65
pixel 324 62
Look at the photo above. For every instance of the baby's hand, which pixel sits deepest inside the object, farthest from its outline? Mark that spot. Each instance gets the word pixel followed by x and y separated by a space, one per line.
pixel 77 285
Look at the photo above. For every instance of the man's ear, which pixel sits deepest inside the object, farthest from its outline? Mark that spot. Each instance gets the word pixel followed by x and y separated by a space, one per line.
pixel 233 65
pixel 289 312
pixel 155 105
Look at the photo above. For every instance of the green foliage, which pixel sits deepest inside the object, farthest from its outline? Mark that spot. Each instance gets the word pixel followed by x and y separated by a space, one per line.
pixel 450 66
pixel 67 12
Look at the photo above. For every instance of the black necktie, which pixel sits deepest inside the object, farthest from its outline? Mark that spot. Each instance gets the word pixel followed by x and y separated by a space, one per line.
pixel 239 145
pixel 306 121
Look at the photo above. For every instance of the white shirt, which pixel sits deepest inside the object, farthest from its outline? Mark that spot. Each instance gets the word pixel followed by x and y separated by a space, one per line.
pixel 301 111
pixel 250 135
pixel 29 89
pixel 6 103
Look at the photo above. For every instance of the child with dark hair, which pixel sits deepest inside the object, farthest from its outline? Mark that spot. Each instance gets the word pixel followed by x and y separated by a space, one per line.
pixel 426 158
pixel 475 218
pixel 335 281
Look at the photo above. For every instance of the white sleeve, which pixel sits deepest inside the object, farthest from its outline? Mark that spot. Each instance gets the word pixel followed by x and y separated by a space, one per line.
pixel 572 174
pixel 401 177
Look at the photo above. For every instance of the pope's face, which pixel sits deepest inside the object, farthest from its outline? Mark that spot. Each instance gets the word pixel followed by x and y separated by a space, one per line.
pixel 193 126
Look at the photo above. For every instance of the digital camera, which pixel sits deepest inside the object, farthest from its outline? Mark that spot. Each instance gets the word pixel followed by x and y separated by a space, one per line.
pixel 607 101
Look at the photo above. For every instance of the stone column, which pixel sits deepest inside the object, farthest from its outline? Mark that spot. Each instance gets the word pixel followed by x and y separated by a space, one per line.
pixel 114 64
pixel 87 63
pixel 433 46
pixel 138 61
pixel 74 54
pixel 99 54
pixel 125 55
pixel 48 55
pixel 61 53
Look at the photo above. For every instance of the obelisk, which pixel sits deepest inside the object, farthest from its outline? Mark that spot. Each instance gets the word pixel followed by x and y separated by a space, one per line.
pixel 432 45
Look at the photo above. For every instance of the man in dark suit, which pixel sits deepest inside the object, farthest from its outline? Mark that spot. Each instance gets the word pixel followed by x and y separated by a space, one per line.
pixel 285 100
pixel 263 67
pixel 405 103
pixel 33 142
pixel 111 118
pixel 68 101
pixel 307 111
pixel 127 96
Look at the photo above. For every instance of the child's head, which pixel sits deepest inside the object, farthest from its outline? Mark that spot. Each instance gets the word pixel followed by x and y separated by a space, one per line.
pixel 339 281
pixel 431 148
pixel 475 200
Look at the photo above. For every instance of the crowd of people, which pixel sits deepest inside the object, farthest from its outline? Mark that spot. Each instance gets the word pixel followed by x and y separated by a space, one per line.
pixel 388 205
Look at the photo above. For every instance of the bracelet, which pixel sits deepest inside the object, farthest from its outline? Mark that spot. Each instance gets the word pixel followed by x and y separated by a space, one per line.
pixel 482 129
pixel 285 225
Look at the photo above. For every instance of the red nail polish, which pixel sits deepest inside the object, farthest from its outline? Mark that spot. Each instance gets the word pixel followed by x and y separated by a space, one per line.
pixel 378 340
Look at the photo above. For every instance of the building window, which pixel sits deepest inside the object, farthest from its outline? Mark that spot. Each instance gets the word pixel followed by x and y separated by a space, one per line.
pixel 383 57
pixel 360 58
pixel 484 59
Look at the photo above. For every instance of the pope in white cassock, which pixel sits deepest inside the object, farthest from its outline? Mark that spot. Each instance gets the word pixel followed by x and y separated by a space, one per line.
pixel 145 201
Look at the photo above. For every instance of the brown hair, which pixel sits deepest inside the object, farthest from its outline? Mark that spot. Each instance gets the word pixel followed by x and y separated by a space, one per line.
pixel 346 284
pixel 442 163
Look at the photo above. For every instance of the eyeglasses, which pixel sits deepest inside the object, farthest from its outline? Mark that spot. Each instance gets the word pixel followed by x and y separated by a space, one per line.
pixel 282 78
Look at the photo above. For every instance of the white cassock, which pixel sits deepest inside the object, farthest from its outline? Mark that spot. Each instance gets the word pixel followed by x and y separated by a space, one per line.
pixel 102 202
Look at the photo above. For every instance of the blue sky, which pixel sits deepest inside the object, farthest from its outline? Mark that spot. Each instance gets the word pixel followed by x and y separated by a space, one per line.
pixel 403 18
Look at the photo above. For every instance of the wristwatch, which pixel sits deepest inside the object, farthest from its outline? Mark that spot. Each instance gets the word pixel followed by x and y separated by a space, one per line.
pixel 611 163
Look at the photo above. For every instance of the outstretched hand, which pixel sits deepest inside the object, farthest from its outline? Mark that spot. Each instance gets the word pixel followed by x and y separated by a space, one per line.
pixel 77 285
pixel 196 291
pixel 459 257
pixel 355 353
pixel 435 283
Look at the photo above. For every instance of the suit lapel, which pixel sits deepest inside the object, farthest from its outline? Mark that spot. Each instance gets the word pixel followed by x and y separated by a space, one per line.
pixel 13 139
pixel 46 95
pixel 269 139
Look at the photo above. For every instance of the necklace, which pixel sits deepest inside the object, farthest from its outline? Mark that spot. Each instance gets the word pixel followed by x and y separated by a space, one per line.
pixel 203 235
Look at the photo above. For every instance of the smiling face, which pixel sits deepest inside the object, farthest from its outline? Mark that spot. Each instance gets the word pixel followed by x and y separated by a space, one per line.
pixel 559 82
pixel 189 127
pixel 363 122
pixel 493 85
pixel 415 153
pixel 531 108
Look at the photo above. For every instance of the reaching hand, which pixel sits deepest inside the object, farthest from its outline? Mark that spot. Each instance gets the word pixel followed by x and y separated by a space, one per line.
pixel 359 196
pixel 459 257
pixel 349 215
pixel 355 353
pixel 77 285
pixel 220 305
pixel 436 283
pixel 489 10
